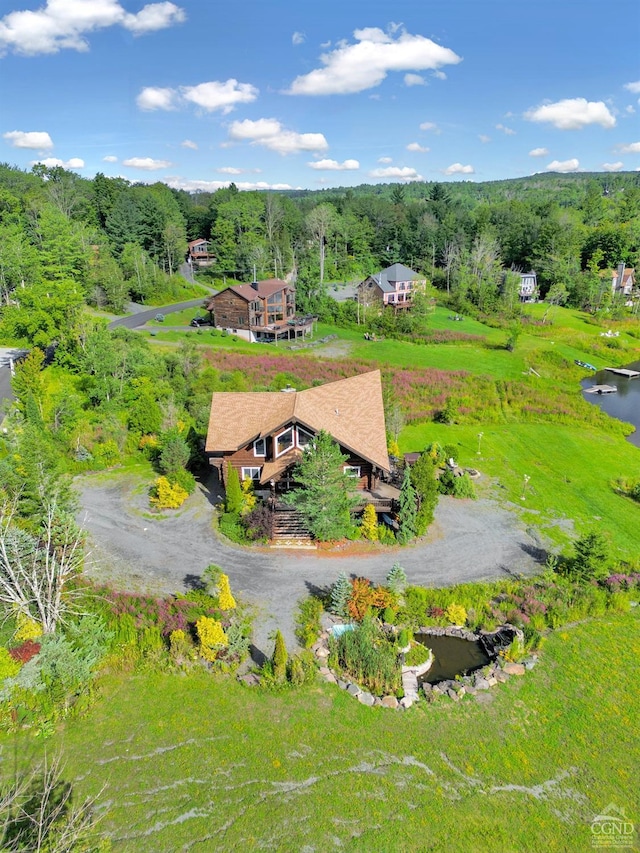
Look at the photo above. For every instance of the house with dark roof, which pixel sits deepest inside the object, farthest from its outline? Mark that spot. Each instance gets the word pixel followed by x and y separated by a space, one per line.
pixel 262 434
pixel 394 286
pixel 263 311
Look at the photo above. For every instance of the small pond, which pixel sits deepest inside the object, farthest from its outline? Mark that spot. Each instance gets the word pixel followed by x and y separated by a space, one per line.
pixel 624 404
pixel 452 656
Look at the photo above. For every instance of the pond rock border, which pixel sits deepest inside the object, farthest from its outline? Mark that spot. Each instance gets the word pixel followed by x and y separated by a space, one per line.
pixel 497 672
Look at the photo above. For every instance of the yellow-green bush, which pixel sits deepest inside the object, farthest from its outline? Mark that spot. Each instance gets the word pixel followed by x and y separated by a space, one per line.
pixel 166 495
pixel 456 614
pixel 226 601
pixel 212 637
pixel 369 524
pixel 8 666
pixel 28 628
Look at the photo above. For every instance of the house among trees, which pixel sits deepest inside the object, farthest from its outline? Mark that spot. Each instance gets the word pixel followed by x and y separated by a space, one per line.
pixel 262 434
pixel 528 289
pixel 393 286
pixel 200 253
pixel 623 280
pixel 263 311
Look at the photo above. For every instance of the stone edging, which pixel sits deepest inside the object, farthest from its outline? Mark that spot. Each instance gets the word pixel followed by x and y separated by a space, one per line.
pixel 483 679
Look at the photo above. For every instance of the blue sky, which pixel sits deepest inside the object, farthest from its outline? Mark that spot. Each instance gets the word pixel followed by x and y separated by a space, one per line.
pixel 300 94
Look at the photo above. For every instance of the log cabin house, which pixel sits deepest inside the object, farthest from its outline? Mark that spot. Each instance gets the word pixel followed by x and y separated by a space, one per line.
pixel 264 311
pixel 263 434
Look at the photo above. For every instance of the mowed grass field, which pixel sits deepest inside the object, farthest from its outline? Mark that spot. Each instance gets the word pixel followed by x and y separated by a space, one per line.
pixel 571 471
pixel 191 762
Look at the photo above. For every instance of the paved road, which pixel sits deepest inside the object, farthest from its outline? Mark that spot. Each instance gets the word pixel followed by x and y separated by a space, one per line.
pixel 134 321
pixel 469 541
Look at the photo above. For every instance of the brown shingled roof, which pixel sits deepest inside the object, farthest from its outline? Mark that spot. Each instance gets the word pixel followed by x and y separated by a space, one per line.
pixel 350 410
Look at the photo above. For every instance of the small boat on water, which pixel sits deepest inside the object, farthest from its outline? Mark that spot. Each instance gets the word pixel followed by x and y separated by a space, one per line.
pixel 585 364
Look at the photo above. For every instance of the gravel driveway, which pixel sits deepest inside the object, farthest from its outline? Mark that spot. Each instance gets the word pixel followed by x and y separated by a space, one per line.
pixel 469 541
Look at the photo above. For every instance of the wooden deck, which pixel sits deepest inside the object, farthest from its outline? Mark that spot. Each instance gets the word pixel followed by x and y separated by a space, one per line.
pixel 624 371
pixel 601 389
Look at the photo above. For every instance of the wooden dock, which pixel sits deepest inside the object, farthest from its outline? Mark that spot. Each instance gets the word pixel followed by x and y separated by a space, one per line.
pixel 601 389
pixel 624 371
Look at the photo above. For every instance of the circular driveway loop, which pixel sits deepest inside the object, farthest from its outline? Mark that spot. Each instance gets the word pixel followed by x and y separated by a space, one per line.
pixel 469 541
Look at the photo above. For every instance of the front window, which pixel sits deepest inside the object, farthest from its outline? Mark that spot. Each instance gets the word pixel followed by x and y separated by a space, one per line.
pixel 304 437
pixel 260 447
pixel 251 473
pixel 284 441
pixel 352 471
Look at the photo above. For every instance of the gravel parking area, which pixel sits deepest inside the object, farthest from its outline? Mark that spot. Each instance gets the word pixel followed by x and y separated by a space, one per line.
pixel 469 541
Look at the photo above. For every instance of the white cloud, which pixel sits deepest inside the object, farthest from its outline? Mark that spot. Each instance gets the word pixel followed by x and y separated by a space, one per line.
pixel 63 24
pixel 613 167
pixel 439 75
pixel 630 108
pixel 355 67
pixel 269 133
pixel 506 130
pixel 484 138
pixel 572 114
pixel 220 96
pixel 187 143
pixel 146 163
pixel 385 160
pixel 403 173
pixel 632 148
pixel 209 96
pixel 110 158
pixel 430 125
pixel 210 186
pixel 415 146
pixel 298 38
pixel 633 87
pixel 229 170
pixel 37 139
pixel 154 16
pixel 333 165
pixel 153 98
pixel 414 80
pixel 52 162
pixel 564 165
pixel 459 169
pixel 538 152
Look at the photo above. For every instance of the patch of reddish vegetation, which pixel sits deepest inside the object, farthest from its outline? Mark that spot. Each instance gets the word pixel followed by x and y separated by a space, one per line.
pixel 25 651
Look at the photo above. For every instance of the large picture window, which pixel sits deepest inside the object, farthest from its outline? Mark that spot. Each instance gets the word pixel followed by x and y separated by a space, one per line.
pixel 284 441
pixel 304 437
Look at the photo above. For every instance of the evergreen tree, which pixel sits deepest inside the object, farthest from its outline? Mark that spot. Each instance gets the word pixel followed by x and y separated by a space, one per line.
pixel 369 524
pixel 397 579
pixel 279 658
pixel 233 498
pixel 591 558
pixel 424 482
pixel 408 509
pixel 340 595
pixel 323 496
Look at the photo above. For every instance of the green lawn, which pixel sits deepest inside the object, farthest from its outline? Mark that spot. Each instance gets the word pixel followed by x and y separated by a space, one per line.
pixel 570 471
pixel 190 762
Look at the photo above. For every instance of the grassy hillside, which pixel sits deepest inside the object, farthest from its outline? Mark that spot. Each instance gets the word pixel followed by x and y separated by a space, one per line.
pixel 190 763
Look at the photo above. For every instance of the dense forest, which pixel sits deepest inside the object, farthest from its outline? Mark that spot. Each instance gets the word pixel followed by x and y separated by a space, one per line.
pixel 66 240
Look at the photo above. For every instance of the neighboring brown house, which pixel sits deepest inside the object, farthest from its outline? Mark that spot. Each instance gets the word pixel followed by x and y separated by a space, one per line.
pixel 200 253
pixel 263 434
pixel 262 311
pixel 394 286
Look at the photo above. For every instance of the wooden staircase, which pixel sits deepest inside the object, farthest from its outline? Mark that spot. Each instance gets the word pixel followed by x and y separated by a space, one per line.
pixel 289 526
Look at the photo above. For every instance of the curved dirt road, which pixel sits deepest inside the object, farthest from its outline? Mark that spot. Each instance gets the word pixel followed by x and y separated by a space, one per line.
pixel 469 541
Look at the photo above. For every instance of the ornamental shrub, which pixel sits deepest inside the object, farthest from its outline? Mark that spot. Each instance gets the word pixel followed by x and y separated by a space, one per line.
pixel 9 667
pixel 212 637
pixel 25 651
pixel 166 495
pixel 28 628
pixel 340 595
pixel 463 487
pixel 308 621
pixel 226 601
pixel 248 497
pixel 279 658
pixel 456 614
pixel 184 479
pixel 234 500
pixel 397 579
pixel 369 523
